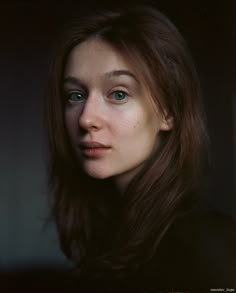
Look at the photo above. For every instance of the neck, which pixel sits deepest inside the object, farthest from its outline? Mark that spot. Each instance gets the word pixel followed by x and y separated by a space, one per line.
pixel 122 181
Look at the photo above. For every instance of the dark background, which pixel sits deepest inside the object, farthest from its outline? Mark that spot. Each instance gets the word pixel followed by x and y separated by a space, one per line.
pixel 27 31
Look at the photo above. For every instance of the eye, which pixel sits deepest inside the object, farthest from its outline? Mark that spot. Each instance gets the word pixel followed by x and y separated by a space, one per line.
pixel 119 96
pixel 76 97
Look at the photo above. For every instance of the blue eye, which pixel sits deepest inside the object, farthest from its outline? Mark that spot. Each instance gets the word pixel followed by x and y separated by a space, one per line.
pixel 75 97
pixel 119 96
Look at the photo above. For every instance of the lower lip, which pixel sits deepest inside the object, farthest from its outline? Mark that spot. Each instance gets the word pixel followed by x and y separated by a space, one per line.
pixel 94 152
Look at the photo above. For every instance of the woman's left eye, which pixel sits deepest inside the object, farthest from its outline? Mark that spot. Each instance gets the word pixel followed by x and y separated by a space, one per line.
pixel 119 96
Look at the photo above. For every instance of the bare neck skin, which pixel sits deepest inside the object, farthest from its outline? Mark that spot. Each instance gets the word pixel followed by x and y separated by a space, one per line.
pixel 122 181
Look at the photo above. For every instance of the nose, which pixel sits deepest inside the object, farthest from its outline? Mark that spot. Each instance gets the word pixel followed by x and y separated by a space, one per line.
pixel 91 117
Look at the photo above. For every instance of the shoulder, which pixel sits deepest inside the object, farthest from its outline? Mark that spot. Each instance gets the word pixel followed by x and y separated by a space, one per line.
pixel 209 232
pixel 204 226
pixel 198 252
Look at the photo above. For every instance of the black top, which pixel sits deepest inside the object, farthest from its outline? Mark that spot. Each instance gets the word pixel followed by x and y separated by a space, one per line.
pixel 197 254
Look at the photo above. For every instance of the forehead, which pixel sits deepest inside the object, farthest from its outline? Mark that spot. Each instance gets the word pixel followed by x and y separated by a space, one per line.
pixel 96 56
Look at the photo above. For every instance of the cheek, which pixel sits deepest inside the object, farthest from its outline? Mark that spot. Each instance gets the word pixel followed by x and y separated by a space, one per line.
pixel 130 130
pixel 141 122
pixel 125 126
pixel 142 131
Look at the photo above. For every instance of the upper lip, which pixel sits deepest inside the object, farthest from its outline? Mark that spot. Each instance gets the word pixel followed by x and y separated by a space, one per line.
pixel 92 144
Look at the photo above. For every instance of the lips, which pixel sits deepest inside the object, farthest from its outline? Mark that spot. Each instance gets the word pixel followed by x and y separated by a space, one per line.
pixel 92 144
pixel 93 149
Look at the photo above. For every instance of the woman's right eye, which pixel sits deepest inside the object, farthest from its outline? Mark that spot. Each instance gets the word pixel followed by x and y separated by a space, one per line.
pixel 75 97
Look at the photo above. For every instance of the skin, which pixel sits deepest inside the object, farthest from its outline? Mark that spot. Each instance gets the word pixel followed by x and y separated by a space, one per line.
pixel 107 103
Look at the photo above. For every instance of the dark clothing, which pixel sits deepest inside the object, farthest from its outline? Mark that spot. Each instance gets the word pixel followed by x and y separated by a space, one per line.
pixel 197 254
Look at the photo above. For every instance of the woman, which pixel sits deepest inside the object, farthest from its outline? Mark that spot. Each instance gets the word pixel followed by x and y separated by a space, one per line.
pixel 128 154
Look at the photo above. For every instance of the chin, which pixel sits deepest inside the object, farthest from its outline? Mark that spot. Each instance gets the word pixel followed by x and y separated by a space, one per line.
pixel 96 174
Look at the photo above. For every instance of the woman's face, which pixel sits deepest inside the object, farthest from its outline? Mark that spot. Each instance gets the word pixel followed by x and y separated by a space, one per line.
pixel 112 125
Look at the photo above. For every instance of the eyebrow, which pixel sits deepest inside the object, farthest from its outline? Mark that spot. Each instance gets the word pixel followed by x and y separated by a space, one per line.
pixel 114 73
pixel 119 73
pixel 73 80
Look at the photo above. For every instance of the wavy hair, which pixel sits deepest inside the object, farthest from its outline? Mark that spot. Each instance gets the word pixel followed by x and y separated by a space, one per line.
pixel 98 229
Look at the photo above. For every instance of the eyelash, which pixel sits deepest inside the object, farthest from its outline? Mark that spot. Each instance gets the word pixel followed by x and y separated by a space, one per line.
pixel 119 91
pixel 70 99
pixel 83 96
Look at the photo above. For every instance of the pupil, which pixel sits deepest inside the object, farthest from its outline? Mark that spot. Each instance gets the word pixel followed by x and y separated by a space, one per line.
pixel 119 95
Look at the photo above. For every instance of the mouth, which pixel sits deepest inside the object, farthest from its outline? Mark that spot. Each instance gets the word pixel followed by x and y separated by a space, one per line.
pixel 93 149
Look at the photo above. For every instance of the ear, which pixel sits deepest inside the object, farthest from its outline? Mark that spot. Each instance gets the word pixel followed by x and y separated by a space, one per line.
pixel 167 122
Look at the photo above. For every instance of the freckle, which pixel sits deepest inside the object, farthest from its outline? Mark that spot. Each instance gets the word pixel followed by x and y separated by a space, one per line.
pixel 136 124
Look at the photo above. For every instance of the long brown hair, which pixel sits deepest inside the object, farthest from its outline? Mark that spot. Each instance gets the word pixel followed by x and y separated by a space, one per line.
pixel 99 229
